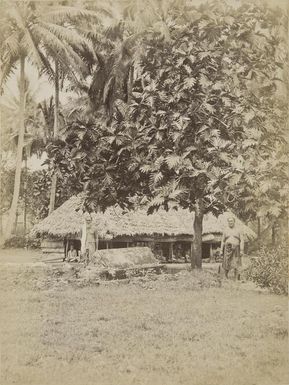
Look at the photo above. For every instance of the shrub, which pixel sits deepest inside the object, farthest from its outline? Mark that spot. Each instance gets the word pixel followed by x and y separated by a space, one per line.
pixel 269 269
pixel 15 242
pixel 18 241
pixel 33 243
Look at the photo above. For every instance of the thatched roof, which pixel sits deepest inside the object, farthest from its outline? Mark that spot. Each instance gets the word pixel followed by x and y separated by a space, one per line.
pixel 67 221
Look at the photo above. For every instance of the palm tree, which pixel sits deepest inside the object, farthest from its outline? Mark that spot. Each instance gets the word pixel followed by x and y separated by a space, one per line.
pixel 38 121
pixel 9 59
pixel 41 34
pixel 112 68
pixel 9 107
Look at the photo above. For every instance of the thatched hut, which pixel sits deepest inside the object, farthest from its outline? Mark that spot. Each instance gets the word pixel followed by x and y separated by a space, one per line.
pixel 168 233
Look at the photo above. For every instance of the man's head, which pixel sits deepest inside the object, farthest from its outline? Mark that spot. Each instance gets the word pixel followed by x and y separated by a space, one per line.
pixel 71 247
pixel 231 222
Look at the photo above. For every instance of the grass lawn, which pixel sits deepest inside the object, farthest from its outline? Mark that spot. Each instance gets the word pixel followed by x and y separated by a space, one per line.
pixel 172 330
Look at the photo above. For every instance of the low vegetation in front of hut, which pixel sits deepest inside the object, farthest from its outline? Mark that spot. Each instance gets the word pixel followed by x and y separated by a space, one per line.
pixel 269 269
pixel 19 241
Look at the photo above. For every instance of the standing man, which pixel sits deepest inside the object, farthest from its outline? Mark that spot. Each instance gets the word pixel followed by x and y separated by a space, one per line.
pixel 88 239
pixel 232 249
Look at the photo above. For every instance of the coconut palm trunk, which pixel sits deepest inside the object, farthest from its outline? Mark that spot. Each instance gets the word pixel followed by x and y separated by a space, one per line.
pixel 13 209
pixel 55 134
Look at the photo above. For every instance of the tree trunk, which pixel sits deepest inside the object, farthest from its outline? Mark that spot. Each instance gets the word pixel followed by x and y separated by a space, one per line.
pixel 130 85
pixel 196 258
pixel 17 180
pixel 52 193
pixel 1 229
pixel 259 231
pixel 274 234
pixel 55 134
pixel 25 197
pixel 1 216
pixel 259 227
pixel 276 237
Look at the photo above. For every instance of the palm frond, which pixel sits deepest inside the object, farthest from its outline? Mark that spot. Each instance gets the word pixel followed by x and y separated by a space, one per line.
pixel 7 69
pixel 47 68
pixel 93 33
pixel 11 44
pixel 47 111
pixel 81 45
pixel 63 52
pixel 115 30
pixel 108 91
pixel 68 34
pixel 61 14
pixel 31 46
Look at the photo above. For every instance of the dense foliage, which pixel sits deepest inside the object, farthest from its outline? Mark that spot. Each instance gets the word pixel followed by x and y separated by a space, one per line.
pixel 269 269
pixel 200 123
pixel 6 188
pixel 205 101
pixel 34 192
pixel 37 191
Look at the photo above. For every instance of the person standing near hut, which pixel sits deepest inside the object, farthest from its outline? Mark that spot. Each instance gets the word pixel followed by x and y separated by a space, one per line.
pixel 232 248
pixel 88 239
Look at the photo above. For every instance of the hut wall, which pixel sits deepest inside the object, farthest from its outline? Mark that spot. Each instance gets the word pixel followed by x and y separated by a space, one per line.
pixel 52 246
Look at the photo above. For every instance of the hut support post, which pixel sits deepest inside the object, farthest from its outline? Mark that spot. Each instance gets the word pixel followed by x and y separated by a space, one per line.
pixel 97 242
pixel 83 240
pixel 65 248
pixel 171 250
pixel 192 256
pixel 211 252
pixel 107 245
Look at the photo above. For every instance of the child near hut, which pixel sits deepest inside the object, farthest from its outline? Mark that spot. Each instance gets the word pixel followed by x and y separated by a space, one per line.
pixel 72 254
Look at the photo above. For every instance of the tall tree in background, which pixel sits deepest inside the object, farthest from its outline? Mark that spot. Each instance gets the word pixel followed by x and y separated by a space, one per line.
pixel 117 48
pixel 34 31
pixel 61 45
pixel 34 134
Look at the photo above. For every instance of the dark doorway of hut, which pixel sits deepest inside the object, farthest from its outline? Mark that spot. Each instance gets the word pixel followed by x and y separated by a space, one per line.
pixel 76 243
